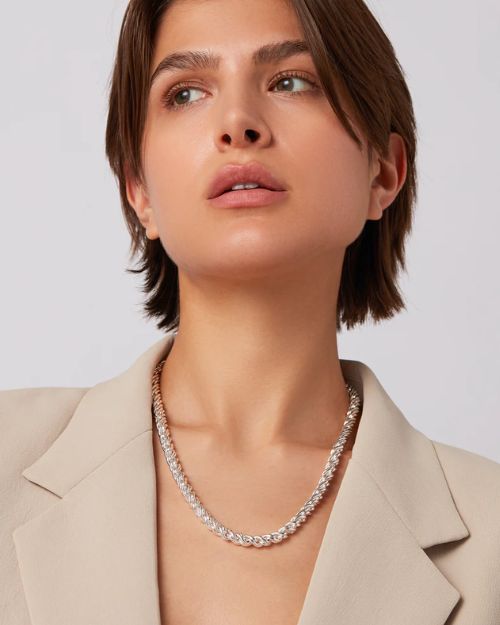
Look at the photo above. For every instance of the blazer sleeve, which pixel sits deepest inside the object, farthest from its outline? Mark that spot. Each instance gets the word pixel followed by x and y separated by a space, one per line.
pixel 473 566
pixel 30 420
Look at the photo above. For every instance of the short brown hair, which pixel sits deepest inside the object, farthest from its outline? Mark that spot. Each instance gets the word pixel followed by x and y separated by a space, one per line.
pixel 353 57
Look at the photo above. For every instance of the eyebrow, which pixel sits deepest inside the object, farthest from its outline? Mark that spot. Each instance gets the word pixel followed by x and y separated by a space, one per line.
pixel 201 59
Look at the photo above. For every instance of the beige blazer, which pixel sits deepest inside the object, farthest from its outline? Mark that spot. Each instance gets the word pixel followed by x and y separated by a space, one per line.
pixel 413 537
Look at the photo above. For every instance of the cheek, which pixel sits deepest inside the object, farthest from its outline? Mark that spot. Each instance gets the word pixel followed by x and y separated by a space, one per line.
pixel 327 208
pixel 174 190
pixel 331 179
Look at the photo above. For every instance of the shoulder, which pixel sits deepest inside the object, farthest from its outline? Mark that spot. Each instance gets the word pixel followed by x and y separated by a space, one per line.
pixel 468 466
pixel 31 418
pixel 30 421
pixel 44 404
pixel 38 397
pixel 474 482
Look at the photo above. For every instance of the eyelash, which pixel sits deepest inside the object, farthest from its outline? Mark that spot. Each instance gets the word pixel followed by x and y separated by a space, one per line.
pixel 167 99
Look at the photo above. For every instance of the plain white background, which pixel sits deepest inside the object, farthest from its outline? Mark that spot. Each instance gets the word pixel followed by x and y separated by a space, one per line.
pixel 71 315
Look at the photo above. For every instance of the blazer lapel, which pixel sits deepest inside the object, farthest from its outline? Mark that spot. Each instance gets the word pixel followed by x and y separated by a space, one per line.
pixel 393 503
pixel 91 557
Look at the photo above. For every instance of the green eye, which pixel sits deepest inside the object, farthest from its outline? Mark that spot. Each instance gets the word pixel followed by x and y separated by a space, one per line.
pixel 183 92
pixel 289 79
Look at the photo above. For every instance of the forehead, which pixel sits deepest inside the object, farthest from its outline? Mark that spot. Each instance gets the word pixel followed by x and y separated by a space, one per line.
pixel 233 29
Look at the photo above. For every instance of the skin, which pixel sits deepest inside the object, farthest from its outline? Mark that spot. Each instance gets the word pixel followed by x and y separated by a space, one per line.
pixel 254 375
pixel 252 387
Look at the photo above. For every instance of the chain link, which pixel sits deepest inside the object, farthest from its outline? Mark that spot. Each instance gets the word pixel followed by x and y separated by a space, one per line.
pixel 245 540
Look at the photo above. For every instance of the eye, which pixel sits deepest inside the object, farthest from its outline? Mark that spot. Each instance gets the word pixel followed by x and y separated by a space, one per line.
pixel 290 79
pixel 170 99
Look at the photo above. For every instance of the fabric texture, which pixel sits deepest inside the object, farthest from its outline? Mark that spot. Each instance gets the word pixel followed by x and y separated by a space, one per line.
pixel 412 539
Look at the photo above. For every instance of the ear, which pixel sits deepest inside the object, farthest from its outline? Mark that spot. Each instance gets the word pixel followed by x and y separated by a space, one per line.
pixel 390 175
pixel 139 200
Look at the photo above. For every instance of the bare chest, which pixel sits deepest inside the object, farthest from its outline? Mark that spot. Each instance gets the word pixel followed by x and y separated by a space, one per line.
pixel 203 579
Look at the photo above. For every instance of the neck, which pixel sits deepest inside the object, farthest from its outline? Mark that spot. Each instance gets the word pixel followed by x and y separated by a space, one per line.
pixel 257 372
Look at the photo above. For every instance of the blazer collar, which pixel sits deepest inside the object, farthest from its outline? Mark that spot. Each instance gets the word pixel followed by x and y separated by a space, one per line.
pixel 91 556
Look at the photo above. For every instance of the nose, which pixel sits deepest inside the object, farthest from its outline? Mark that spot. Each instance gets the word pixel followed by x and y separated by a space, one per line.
pixel 241 125
pixel 249 136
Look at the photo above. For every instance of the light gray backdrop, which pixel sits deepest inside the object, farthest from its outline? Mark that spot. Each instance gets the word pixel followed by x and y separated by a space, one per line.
pixel 70 315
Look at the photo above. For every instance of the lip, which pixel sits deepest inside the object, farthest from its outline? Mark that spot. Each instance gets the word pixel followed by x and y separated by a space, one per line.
pixel 247 198
pixel 236 173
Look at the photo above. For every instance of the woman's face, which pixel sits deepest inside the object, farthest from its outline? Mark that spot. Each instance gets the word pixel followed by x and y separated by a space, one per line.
pixel 296 135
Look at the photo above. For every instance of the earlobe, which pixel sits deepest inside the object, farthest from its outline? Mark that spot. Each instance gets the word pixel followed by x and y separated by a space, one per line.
pixel 136 196
pixel 390 178
pixel 139 200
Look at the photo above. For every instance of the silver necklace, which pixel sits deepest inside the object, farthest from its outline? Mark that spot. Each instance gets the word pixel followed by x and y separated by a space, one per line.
pixel 244 540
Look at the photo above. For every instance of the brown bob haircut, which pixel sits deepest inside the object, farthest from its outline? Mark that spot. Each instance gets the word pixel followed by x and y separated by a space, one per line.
pixel 354 59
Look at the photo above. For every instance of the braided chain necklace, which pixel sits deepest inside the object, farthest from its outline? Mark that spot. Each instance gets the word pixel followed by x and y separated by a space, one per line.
pixel 244 540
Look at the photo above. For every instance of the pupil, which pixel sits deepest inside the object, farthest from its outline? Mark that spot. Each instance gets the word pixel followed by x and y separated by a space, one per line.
pixel 289 81
pixel 183 92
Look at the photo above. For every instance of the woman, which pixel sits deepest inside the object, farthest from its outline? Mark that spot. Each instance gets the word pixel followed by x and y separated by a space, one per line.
pixel 348 514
